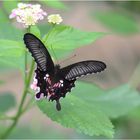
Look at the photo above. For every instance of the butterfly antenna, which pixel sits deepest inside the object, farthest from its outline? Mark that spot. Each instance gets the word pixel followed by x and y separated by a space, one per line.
pixel 68 59
pixel 54 54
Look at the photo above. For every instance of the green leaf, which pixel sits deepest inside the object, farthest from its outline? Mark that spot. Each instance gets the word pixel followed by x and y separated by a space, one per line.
pixel 67 38
pixel 35 30
pixel 10 5
pixel 119 101
pixel 55 4
pixel 118 22
pixel 3 16
pixel 12 53
pixel 80 115
pixel 12 62
pixel 44 28
pixel 7 101
pixel 11 48
pixel 7 30
pixel 60 53
pixel 115 102
pixel 135 114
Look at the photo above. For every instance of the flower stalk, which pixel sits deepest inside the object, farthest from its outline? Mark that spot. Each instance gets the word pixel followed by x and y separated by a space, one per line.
pixel 19 112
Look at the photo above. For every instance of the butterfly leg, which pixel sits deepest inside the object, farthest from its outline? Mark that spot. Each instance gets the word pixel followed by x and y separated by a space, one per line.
pixel 58 105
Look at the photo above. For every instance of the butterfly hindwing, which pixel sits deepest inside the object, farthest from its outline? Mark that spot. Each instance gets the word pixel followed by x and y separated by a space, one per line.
pixel 82 68
pixel 39 52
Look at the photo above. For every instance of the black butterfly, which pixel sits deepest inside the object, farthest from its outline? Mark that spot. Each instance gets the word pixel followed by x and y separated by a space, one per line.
pixel 50 80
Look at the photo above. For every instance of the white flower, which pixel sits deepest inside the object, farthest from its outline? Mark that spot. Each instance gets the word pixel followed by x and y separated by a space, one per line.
pixel 28 14
pixel 55 19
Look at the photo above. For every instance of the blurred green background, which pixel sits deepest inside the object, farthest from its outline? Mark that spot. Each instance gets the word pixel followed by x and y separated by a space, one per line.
pixel 119 49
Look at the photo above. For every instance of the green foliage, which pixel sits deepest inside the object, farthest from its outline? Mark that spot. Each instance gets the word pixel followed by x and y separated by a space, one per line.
pixel 7 101
pixel 134 114
pixel 80 115
pixel 9 5
pixel 35 30
pixel 44 28
pixel 12 62
pixel 7 30
pixel 115 102
pixel 11 48
pixel 118 22
pixel 12 53
pixel 119 101
pixel 54 4
pixel 67 38
pixel 85 108
pixel 60 53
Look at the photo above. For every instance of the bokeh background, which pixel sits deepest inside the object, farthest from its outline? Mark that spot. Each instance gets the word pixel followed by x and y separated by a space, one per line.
pixel 120 50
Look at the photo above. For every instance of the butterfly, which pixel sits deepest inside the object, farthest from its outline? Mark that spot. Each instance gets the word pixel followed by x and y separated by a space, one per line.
pixel 52 81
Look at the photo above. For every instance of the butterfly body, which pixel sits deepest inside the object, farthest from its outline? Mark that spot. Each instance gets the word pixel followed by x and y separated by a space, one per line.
pixel 52 81
pixel 52 87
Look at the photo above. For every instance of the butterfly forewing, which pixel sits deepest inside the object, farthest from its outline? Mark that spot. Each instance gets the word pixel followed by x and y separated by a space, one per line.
pixel 39 52
pixel 82 68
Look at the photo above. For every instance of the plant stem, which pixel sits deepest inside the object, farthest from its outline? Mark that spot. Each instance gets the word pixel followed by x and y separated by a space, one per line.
pixel 29 105
pixel 26 89
pixel 25 76
pixel 19 112
pixel 26 61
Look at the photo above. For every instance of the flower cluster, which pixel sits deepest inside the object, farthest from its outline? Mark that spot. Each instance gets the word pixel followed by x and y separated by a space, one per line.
pixel 28 14
pixel 55 19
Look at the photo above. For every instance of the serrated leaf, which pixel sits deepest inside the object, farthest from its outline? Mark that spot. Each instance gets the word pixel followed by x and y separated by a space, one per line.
pixel 67 38
pixel 118 22
pixel 80 115
pixel 115 102
pixel 7 101
pixel 35 30
pixel 55 4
